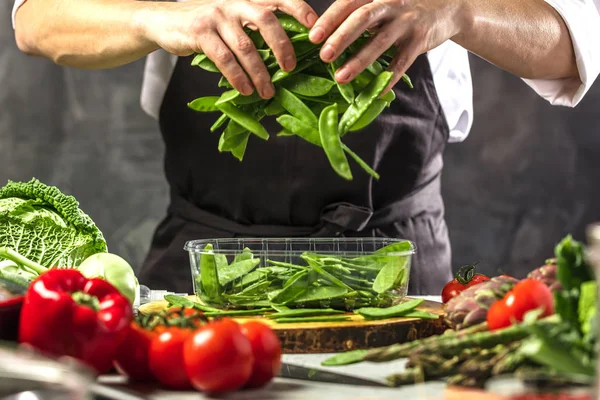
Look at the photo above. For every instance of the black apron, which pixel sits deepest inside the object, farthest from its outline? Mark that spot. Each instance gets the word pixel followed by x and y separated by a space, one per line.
pixel 285 187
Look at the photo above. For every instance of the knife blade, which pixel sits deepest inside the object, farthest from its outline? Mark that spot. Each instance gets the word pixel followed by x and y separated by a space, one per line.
pixel 311 374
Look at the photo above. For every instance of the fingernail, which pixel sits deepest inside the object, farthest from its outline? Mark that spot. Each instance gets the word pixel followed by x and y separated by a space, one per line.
pixel 247 89
pixel 316 35
pixel 327 53
pixel 311 18
pixel 343 74
pixel 289 63
pixel 268 91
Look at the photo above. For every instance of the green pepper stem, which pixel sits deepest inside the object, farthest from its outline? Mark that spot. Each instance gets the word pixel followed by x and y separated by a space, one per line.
pixel 12 255
pixel 86 300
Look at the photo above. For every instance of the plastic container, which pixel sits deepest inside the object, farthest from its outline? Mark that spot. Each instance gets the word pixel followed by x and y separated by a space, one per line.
pixel 341 273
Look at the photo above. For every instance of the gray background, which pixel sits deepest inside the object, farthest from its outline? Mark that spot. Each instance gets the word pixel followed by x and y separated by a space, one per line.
pixel 525 177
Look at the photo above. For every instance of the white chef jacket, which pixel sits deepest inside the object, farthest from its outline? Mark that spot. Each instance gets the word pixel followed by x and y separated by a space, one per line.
pixel 450 67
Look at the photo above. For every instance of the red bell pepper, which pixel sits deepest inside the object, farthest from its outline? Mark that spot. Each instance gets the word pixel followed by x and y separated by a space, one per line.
pixel 66 314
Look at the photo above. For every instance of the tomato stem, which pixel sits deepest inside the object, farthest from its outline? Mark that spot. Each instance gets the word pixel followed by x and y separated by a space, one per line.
pixel 466 273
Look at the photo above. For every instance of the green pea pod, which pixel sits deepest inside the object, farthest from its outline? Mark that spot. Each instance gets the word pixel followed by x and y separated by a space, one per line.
pixel 391 274
pixel 364 101
pixel 264 54
pixel 362 80
pixel 274 108
pixel 291 24
pixel 219 122
pixel 389 312
pixel 211 290
pixel 292 291
pixel 332 145
pixel 239 151
pixel 301 37
pixel 227 96
pixel 236 313
pixel 303 312
pixel 345 89
pixel 296 107
pixel 300 128
pixel 231 137
pixel 244 119
pixel 420 314
pixel 224 83
pixel 202 61
pixel 375 68
pixel 237 270
pixel 257 39
pixel 369 116
pixel 321 293
pixel 406 79
pixel 246 254
pixel 308 85
pixel 301 65
pixel 384 63
pixel 285 132
pixel 389 96
pixel 243 100
pixel 204 104
pixel 360 162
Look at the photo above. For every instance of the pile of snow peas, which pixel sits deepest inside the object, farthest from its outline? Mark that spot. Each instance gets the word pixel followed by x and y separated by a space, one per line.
pixel 308 101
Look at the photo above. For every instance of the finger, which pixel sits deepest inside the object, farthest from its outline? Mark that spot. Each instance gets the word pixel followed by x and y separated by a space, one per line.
pixel 247 56
pixel 372 50
pixel 333 17
pixel 404 58
pixel 275 37
pixel 351 29
pixel 298 9
pixel 221 55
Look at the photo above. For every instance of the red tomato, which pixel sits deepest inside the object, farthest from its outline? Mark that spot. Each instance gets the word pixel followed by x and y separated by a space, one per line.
pixel 526 295
pixel 166 358
pixel 454 287
pixel 218 357
pixel 132 355
pixel 266 349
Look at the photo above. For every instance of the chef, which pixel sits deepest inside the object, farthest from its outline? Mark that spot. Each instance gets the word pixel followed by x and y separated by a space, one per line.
pixel 285 187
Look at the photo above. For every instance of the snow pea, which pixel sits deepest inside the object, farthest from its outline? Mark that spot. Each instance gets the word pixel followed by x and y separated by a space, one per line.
pixel 202 61
pixel 345 89
pixel 300 128
pixel 274 108
pixel 312 319
pixel 420 314
pixel 290 24
pixel 330 140
pixel 211 290
pixel 308 85
pixel 246 254
pixel 292 291
pixel 304 312
pixel 389 96
pixel 301 37
pixel 231 136
pixel 227 97
pixel 219 122
pixel 375 68
pixel 204 104
pixel 321 293
pixel 362 80
pixel 360 162
pixel 370 114
pixel 244 100
pixel 244 119
pixel 295 106
pixel 236 313
pixel 229 273
pixel 396 247
pixel 364 101
pixel 391 275
pixel 257 39
pixel 390 312
pixel 303 64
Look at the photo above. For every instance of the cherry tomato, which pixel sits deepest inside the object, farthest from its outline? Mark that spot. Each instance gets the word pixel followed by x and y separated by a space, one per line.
pixel 266 349
pixel 166 358
pixel 526 295
pixel 218 357
pixel 465 277
pixel 132 356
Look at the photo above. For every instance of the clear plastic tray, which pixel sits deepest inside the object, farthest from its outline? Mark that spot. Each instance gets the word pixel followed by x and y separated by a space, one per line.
pixel 341 273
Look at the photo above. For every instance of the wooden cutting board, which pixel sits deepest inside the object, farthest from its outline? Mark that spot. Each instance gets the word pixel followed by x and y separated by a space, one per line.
pixel 332 337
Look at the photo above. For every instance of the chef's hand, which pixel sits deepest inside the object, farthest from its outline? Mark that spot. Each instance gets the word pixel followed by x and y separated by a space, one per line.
pixel 413 26
pixel 216 28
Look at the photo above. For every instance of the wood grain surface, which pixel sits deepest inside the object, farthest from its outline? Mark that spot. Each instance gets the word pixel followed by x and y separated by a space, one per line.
pixel 329 337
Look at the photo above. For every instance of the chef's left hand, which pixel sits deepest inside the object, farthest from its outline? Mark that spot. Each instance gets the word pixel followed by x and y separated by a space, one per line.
pixel 413 26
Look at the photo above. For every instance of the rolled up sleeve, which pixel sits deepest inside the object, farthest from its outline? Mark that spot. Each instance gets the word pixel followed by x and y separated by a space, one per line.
pixel 18 3
pixel 582 18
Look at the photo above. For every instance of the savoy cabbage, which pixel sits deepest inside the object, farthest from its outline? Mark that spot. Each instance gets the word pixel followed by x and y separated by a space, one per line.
pixel 44 225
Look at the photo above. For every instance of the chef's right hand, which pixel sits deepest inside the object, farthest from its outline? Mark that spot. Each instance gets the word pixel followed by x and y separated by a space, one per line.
pixel 216 28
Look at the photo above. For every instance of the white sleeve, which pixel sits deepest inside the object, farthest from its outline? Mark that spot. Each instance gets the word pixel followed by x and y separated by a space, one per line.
pixel 18 3
pixel 582 18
